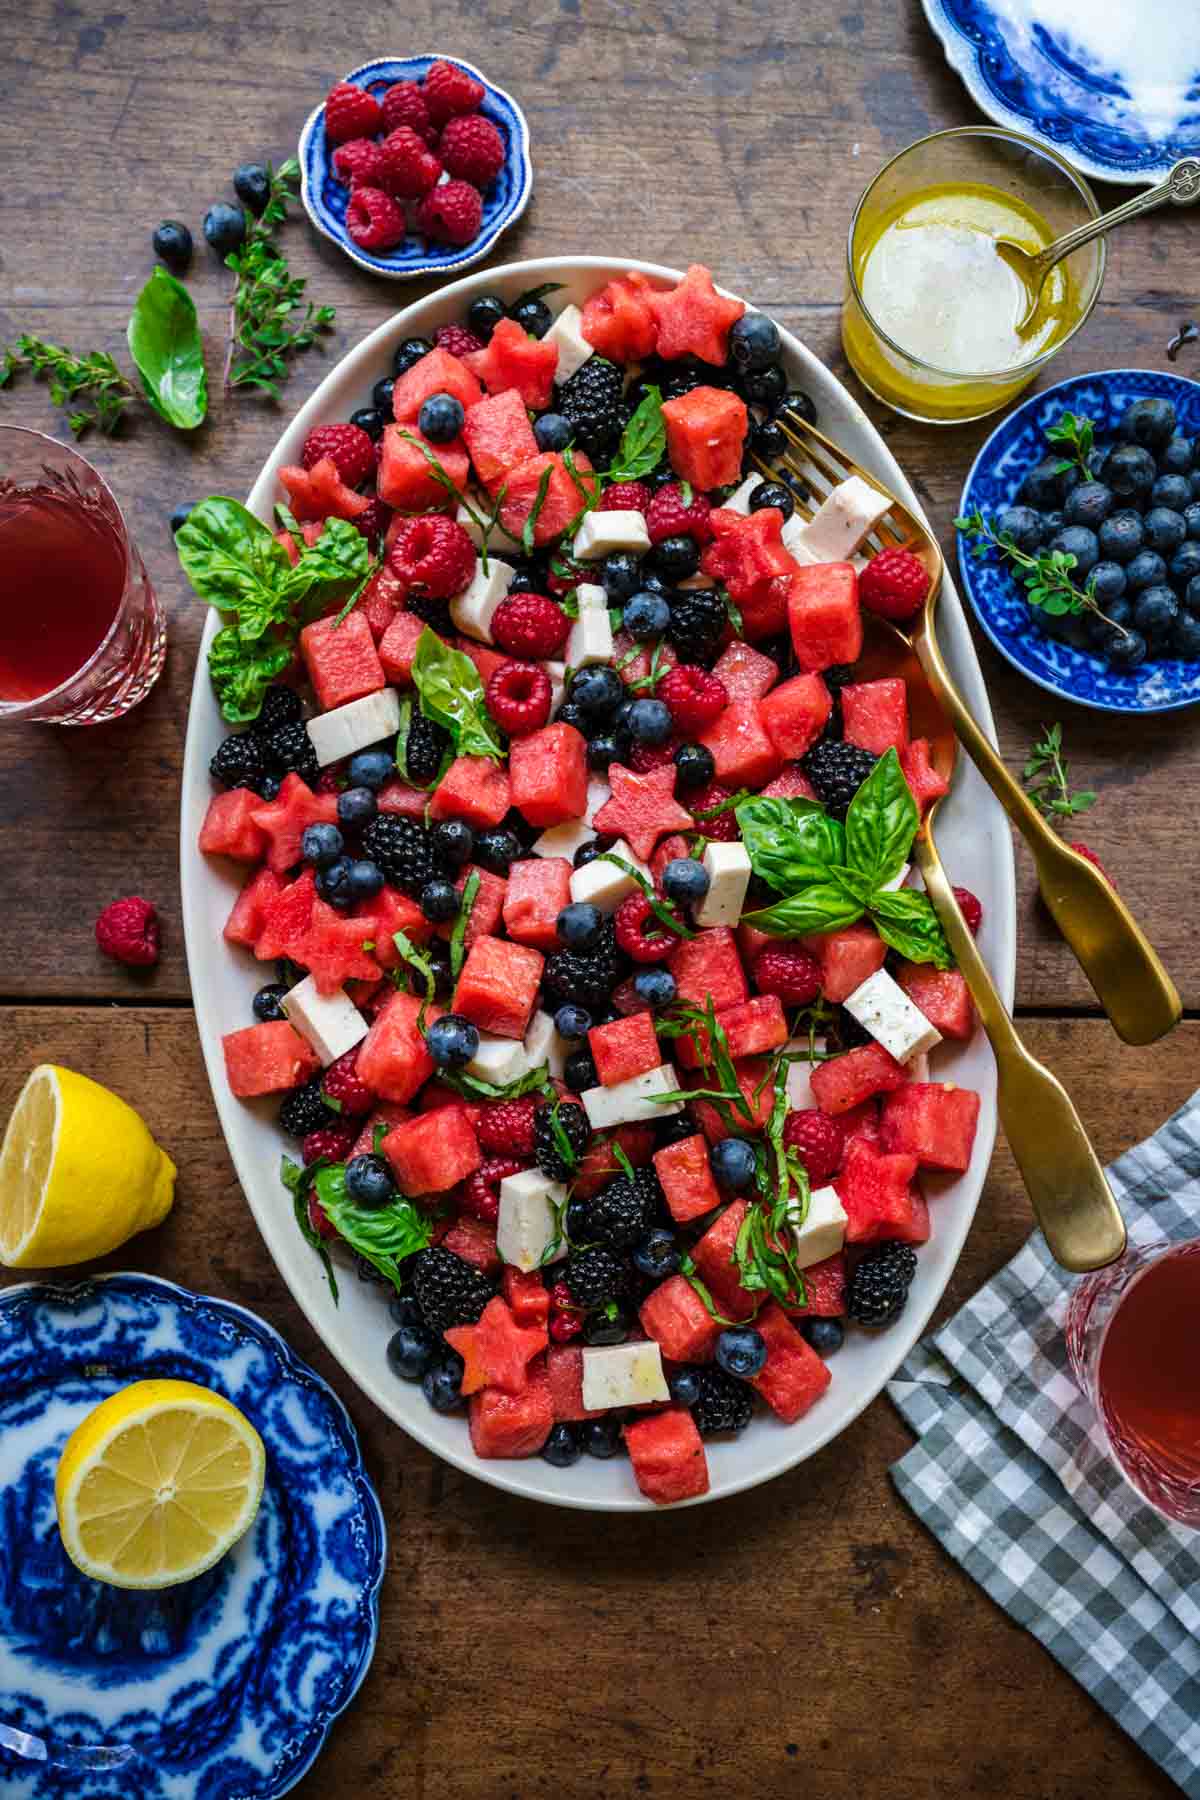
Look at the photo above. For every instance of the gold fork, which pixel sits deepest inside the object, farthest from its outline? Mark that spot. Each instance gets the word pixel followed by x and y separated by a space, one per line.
pixel 1130 981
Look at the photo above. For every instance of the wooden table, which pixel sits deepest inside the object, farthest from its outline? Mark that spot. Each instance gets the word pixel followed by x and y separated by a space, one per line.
pixel 809 1634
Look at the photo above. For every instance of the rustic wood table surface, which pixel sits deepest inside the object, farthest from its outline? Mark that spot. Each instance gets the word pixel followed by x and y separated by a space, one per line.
pixel 809 1636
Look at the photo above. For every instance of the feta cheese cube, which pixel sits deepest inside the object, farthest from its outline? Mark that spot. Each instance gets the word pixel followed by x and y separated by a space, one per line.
pixel 600 533
pixel 467 518
pixel 543 1044
pixel 563 840
pixel 800 1096
pixel 601 883
pixel 558 683
pixel 591 638
pixel 474 609
pixel 729 874
pixel 824 1229
pixel 528 1232
pixel 843 520
pixel 598 795
pixel 739 500
pixel 792 539
pixel 498 1060
pixel 567 338
pixel 883 1008
pixel 331 1022
pixel 353 726
pixel 623 1375
pixel 633 1101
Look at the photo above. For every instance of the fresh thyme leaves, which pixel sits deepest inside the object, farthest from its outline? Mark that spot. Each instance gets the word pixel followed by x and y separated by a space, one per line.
pixel 1047 778
pixel 269 319
pixel 1045 576
pixel 458 936
pixel 1077 435
pixel 94 379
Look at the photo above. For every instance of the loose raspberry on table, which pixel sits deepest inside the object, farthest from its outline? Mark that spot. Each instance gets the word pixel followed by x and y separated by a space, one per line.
pixel 349 447
pixel 332 1141
pixel 432 557
pixel 505 1127
pixel 644 757
pixel 410 167
pixel 404 104
pixel 667 516
pixel 128 932
pixel 457 340
pixel 819 1141
pixel 373 219
pixel 626 496
pixel 696 697
pixel 449 90
pixel 359 163
pixel 971 909
pixel 1090 856
pixel 724 828
pixel 518 696
pixel 894 585
pixel 350 112
pixel 789 972
pixel 481 1190
pixel 343 1083
pixel 640 933
pixel 530 625
pixel 373 523
pixel 451 214
pixel 472 149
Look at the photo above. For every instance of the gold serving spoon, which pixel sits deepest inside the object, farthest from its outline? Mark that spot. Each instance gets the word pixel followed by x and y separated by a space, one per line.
pixel 1130 981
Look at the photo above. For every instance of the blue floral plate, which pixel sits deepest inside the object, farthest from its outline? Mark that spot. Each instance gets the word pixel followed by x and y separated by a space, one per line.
pixel 1115 89
pixel 325 197
pixel 223 1688
pixel 1017 443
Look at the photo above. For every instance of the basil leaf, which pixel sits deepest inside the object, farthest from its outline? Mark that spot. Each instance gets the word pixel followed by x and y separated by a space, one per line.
pixel 336 565
pixel 642 442
pixel 860 887
pixel 822 907
pixel 789 842
pixel 297 1181
pixel 534 1081
pixel 539 500
pixel 164 342
pixel 241 673
pixel 235 563
pixel 906 922
pixel 385 1236
pixel 458 937
pixel 882 822
pixel 452 695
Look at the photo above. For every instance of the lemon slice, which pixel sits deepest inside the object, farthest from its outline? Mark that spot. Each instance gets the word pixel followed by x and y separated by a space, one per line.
pixel 157 1483
pixel 79 1173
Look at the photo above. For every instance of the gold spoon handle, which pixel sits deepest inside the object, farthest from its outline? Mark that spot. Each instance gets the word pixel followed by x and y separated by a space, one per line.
pixel 1181 187
pixel 1130 981
pixel 1067 1189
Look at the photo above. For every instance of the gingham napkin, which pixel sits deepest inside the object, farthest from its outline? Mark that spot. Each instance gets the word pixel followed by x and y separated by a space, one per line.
pixel 1009 1474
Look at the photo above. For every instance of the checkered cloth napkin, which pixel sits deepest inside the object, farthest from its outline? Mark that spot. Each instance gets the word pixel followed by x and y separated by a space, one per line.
pixel 1010 1474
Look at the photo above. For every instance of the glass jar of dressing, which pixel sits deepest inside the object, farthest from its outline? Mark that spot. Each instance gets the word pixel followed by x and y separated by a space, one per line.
pixel 933 321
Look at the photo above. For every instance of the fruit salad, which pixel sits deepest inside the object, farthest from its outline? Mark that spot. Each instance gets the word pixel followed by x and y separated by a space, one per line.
pixel 602 998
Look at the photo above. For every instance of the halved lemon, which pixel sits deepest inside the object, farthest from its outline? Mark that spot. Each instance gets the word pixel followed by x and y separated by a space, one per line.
pixel 79 1173
pixel 157 1483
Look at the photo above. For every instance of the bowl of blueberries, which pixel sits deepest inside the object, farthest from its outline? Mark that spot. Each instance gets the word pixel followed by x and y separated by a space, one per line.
pixel 1079 540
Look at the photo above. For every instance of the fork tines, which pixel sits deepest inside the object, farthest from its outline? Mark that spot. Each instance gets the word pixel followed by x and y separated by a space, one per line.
pixel 819 465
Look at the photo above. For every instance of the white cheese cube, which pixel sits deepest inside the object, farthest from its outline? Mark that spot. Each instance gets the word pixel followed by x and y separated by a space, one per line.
pixel 623 1375
pixel 739 500
pixel 563 840
pixel 792 538
pixel 591 638
pixel 543 1044
pixel 800 1096
pixel 729 874
pixel 558 683
pixel 598 794
pixel 498 1060
pixel 600 533
pixel 600 883
pixel 528 1232
pixel 354 726
pixel 567 338
pixel 480 508
pixel 474 609
pixel 883 1008
pixel 331 1022
pixel 897 881
pixel 824 1229
pixel 843 520
pixel 633 1101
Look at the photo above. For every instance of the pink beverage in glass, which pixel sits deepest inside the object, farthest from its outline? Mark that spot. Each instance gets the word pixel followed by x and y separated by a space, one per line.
pixel 81 636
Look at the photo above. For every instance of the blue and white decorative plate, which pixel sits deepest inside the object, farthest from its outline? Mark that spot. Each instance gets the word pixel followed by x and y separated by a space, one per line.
pixel 326 198
pixel 223 1688
pixel 1017 443
pixel 1113 87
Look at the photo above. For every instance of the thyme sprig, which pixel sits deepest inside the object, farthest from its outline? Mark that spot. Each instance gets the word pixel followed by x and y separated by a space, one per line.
pixel 269 318
pixel 94 378
pixel 1045 576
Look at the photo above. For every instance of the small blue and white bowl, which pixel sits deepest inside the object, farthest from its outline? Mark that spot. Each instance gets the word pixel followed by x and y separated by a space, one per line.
pixel 998 598
pixel 326 197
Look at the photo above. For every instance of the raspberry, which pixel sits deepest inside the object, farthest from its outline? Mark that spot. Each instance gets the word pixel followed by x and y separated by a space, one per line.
pixel 724 828
pixel 373 523
pixel 970 908
pixel 518 696
pixel 449 90
pixel 530 625
pixel 505 1127
pixel 359 163
pixel 820 1141
pixel 481 1190
pixel 331 1141
pixel 349 447
pixel 374 220
pixel 893 584
pixel 472 149
pixel 342 1082
pixel 350 113
pixel 457 340
pixel 695 697
pixel 331 780
pixel 639 931
pixel 788 971
pixel 627 496
pixel 404 104
pixel 451 214
pixel 1090 856
pixel 564 574
pixel 319 1219
pixel 644 757
pixel 128 932
pixel 564 1326
pixel 667 516
pixel 433 557
pixel 410 167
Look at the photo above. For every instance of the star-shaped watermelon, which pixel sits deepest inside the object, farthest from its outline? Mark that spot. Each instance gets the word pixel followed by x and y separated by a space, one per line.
pixel 642 808
pixel 497 1351
pixel 286 818
pixel 746 551
pixel 693 319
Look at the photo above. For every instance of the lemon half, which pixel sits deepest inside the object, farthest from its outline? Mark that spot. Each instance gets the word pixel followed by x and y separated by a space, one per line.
pixel 157 1483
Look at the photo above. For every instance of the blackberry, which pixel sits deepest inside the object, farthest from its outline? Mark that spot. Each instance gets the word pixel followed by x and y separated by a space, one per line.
pixel 697 620
pixel 837 771
pixel 596 1276
pixel 673 1129
pixel 585 977
pixel 424 747
pixel 574 1121
pixel 619 1214
pixel 290 751
pixel 281 706
pixel 304 1110
pixel 590 400
pixel 724 1403
pixel 435 613
pixel 239 761
pixel 403 849
pixel 879 1285
pixel 448 1290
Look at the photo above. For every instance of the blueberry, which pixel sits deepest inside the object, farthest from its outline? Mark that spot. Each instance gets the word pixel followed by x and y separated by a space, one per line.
pixel 267 1002
pixel 741 1351
pixel 1185 639
pixel 773 493
pixel 1155 612
pixel 1121 536
pixel 441 1383
pixel 441 418
pixel 1051 522
pixel 533 316
pixel 608 747
pixel 440 901
pixel 496 850
pixel 1130 471
pixel 598 690
pixel 1165 529
pixel 1194 483
pixel 381 395
pixel 333 883
pixel 1172 491
pixel 657 1255
pixel 1089 504
pixel 798 402
pixel 646 616
pixel 764 386
pixel 570 714
pixel 406 354
pixel 410 1351
pixel 370 1181
pixel 370 421
pixel 224 228
pixel 1150 422
pixel 552 431
pixel 1176 458
pixel 685 880
pixel 1184 565
pixel 252 185
pixel 371 769
pixel 320 844
pixel 655 986
pixel 650 722
pixel 684 1386
pixel 572 1022
pixel 677 557
pixel 823 1335
pixel 1126 650
pixel 754 341
pixel 695 765
pixel 403 1310
pixel 602 1437
pixel 172 242
pixel 1107 582
pixel 653 583
pixel 607 1327
pixel 1191 597
pixel 1042 487
pixel 579 925
pixel 1191 518
pixel 1146 570
pixel 453 840
pixel 766 441
pixel 621 576
pixel 587 853
pixel 183 512
pixel 562 1448
pixel 365 878
pixel 733 1163
pixel 1079 542
pixel 484 314
pixel 1024 526
pixel 452 1041
pixel 269 787
pixel 580 1072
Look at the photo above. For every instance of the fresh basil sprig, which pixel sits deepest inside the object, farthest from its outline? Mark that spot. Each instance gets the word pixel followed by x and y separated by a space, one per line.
pixel 452 695
pixel 164 342
pixel 643 441
pixel 385 1236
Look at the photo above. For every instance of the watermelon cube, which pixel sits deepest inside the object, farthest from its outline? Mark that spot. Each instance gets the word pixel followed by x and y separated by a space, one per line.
pixel 875 715
pixel 687 1180
pixel 564 1366
pixel 751 1029
pixel 392 1058
pixel 387 1114
pixel 498 436
pixel 537 890
pixel 380 918
pixel 506 1425
pixel 743 750
pixel 876 1189
pixel 796 713
pixel 320 493
pixel 667 1454
pixel 267 1059
pixel 753 1110
pixel 333 950
pixel 745 673
pixel 765 611
pixel 709 964
pixel 244 924
pixel 932 1122
pixel 342 661
pixel 526 1294
pixel 599 1162
pixel 624 1048
pixel 398 647
pixel 229 827
pixel 284 820
pixel 675 1316
pixel 791 784
pixel 549 774
pixel 848 958
pixel 793 1376
pixel 560 503
pixel 926 784
pixel 496 1351
pixel 618 320
pixel 498 986
pixel 475 1242
pixel 713 1255
pixel 693 319
pixel 847 1080
pixel 824 1289
pixel 824 616
pixel 706 432
pixel 942 995
pixel 398 796
pixel 486 660
pixel 438 372
pixel 747 552
pixel 513 359
pixel 487 909
pixel 405 477
pixel 378 602
pixel 473 788
pixel 431 1152
pixel 286 919
pixel 861 1122
pixel 632 660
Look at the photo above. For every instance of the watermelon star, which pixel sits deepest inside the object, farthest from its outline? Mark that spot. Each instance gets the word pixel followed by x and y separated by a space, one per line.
pixel 497 1351
pixel 333 949
pixel 286 818
pixel 693 319
pixel 641 808
pixel 746 551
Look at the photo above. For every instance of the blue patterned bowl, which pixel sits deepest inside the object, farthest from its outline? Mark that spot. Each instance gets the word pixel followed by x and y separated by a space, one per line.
pixel 223 1688
pixel 325 197
pixel 1000 606
pixel 1088 103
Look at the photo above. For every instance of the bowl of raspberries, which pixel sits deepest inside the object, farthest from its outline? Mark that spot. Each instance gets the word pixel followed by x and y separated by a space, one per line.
pixel 414 165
